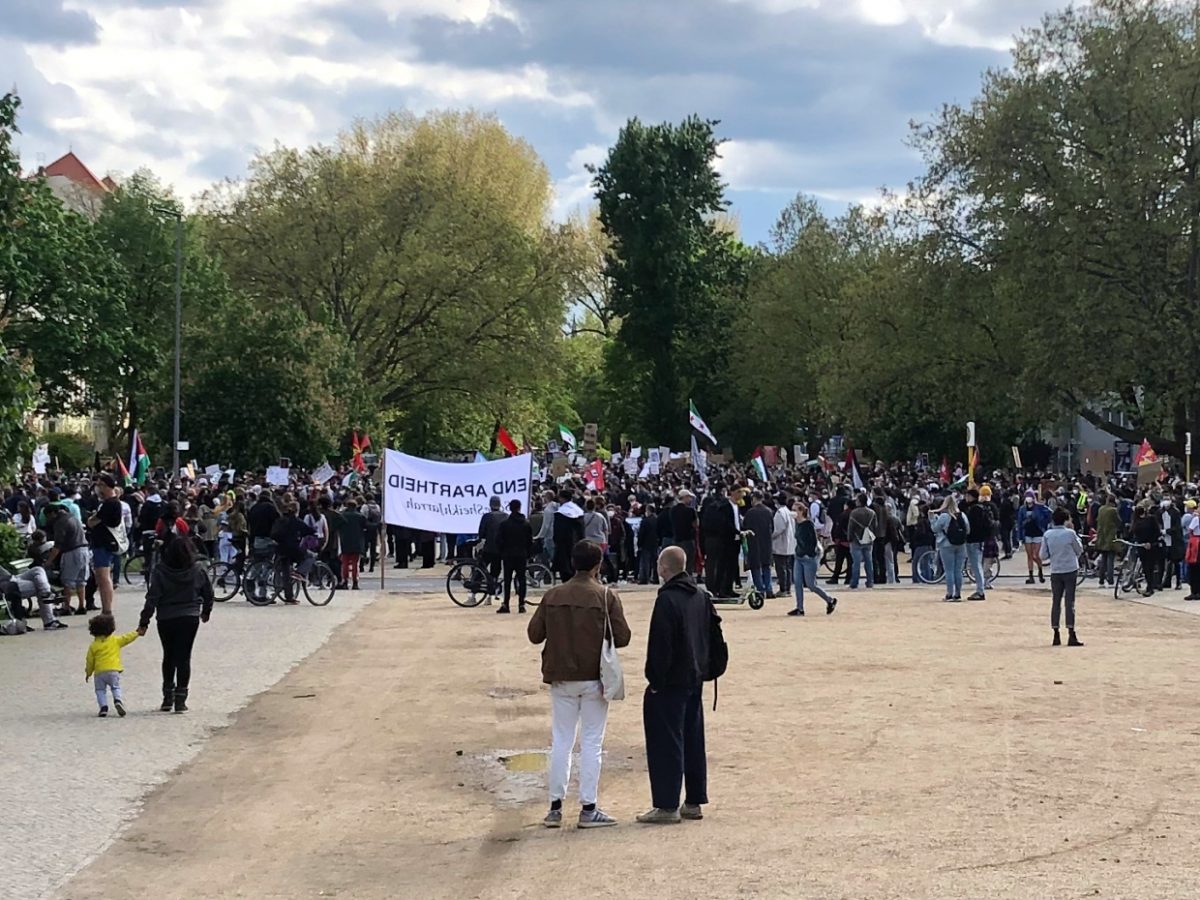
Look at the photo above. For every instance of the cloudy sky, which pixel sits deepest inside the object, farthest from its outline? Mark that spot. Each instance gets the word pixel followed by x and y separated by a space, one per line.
pixel 813 95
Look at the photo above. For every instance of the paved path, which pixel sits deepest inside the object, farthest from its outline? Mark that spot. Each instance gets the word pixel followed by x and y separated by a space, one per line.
pixel 72 780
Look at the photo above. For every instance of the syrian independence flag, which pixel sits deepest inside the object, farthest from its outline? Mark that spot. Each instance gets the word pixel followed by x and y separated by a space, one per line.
pixel 759 466
pixel 698 423
pixel 568 437
pixel 139 460
pixel 699 461
pixel 853 470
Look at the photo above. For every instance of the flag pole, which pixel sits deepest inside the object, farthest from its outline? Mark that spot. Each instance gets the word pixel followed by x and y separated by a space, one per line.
pixel 1188 454
pixel 382 536
pixel 970 454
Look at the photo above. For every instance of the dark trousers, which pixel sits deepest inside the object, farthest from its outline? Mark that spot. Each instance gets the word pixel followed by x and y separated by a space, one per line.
pixel 428 553
pixel 784 566
pixel 177 637
pixel 1062 587
pixel 492 562
pixel 718 573
pixel 841 557
pixel 1150 568
pixel 514 569
pixel 879 552
pixel 689 550
pixel 674 722
pixel 371 556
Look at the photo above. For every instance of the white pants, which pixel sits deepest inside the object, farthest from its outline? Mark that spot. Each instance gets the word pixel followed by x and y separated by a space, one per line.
pixel 576 705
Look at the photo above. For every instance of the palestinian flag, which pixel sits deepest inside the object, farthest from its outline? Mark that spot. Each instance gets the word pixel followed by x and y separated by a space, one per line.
pixel 759 466
pixel 698 423
pixel 504 439
pixel 139 460
pixel 853 470
pixel 121 471
pixel 568 437
pixel 944 472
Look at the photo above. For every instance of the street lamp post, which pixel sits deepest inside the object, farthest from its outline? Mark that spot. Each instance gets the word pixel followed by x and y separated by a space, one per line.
pixel 178 216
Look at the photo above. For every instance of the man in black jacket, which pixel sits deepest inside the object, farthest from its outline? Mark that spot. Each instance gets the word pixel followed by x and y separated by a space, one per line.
pixel 489 529
pixel 683 527
pixel 672 710
pixel 720 534
pixel 514 543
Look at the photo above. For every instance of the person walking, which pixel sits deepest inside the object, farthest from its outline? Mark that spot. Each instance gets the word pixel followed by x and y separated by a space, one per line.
pixel 489 527
pixel 951 529
pixel 719 528
pixel 352 541
pixel 1061 549
pixel 807 555
pixel 783 543
pixel 1032 520
pixel 570 621
pixel 677 662
pixel 514 543
pixel 1147 533
pixel 108 538
pixel 181 597
pixel 920 540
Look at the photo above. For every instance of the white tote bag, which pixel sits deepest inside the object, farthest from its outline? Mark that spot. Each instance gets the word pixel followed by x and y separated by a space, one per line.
pixel 612 678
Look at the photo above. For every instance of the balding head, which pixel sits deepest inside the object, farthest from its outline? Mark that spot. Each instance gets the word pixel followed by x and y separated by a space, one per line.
pixel 671 562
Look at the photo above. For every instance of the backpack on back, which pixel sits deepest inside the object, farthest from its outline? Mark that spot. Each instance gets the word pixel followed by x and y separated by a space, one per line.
pixel 718 652
pixel 956 531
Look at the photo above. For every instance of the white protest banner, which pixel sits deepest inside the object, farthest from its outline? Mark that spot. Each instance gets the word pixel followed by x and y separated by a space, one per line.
pixel 631 466
pixel 664 453
pixel 213 473
pixel 277 475
pixel 645 473
pixel 635 453
pixel 41 459
pixel 655 461
pixel 323 473
pixel 450 497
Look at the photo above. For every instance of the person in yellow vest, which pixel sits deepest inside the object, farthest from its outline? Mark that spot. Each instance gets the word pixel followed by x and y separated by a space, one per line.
pixel 104 661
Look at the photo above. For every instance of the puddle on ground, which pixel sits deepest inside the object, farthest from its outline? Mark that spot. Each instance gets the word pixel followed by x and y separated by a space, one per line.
pixel 526 762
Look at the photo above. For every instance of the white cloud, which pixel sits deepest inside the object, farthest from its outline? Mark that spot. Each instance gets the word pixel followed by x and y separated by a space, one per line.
pixel 574 193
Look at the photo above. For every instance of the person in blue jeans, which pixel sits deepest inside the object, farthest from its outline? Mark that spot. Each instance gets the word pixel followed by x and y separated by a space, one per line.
pixel 807 555
pixel 862 521
pixel 951 529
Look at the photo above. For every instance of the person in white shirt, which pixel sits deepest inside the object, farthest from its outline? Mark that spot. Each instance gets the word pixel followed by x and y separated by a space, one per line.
pixel 783 544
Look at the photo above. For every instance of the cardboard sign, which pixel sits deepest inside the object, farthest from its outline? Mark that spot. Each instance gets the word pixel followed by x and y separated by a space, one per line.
pixel 279 476
pixel 559 466
pixel 590 431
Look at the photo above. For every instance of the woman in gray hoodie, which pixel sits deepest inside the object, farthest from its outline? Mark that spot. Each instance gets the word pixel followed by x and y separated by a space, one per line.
pixel 182 597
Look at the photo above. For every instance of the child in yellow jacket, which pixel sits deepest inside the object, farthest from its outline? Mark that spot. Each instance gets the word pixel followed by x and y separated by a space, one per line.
pixel 104 660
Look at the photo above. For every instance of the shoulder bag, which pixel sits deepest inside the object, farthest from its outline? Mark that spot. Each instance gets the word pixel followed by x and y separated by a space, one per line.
pixel 612 678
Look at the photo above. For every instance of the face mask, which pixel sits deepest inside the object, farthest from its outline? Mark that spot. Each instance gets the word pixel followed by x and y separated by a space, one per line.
pixel 1029 501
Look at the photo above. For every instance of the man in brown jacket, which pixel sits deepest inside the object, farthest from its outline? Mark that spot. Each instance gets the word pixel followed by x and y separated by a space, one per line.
pixel 570 620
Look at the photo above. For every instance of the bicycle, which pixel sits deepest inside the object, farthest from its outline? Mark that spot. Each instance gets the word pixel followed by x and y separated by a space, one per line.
pixel 469 583
pixel 1130 576
pixel 931 571
pixel 1089 563
pixel 264 581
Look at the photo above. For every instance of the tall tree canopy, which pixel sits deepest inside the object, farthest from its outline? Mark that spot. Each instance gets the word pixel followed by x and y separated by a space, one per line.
pixel 674 272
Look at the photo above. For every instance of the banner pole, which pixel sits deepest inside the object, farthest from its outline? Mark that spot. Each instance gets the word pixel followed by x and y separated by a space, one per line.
pixel 382 536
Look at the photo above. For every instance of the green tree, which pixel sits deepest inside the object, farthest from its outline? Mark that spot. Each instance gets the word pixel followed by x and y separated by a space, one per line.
pixel 675 273
pixel 423 241
pixel 1072 185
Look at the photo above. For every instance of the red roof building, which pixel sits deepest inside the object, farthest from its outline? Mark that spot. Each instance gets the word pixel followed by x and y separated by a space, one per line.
pixel 76 185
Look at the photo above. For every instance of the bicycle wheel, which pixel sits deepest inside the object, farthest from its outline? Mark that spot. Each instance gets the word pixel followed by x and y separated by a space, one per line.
pixel 929 569
pixel 320 585
pixel 829 557
pixel 224 580
pixel 467 583
pixel 133 568
pixel 259 583
pixel 538 580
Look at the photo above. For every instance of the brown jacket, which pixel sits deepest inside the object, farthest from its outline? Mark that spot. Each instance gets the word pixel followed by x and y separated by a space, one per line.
pixel 570 620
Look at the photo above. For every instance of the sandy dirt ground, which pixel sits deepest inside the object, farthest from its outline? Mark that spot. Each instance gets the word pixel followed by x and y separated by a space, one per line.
pixel 902 748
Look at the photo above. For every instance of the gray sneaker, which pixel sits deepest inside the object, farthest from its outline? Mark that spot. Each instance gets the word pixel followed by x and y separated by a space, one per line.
pixel 595 818
pixel 553 819
pixel 660 817
pixel 691 811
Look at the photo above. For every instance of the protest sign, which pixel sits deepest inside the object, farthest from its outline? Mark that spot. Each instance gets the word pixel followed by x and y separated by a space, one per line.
pixel 277 475
pixel 559 466
pixel 41 459
pixel 213 473
pixel 323 473
pixel 450 497
pixel 590 431
pixel 631 466
pixel 655 461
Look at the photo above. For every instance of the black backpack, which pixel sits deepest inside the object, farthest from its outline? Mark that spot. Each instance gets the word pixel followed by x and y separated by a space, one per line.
pixel 956 531
pixel 718 652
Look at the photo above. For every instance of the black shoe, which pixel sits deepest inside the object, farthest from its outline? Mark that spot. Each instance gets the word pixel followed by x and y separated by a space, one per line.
pixel 1057 642
pixel 103 712
pixel 1041 578
pixel 181 701
pixel 56 625
pixel 1029 580
pixel 120 708
pixel 831 606
pixel 521 609
pixel 356 587
pixel 82 611
pixel 503 609
pixel 796 612
pixel 1073 641
pixel 831 581
pixel 168 702
pixel 770 594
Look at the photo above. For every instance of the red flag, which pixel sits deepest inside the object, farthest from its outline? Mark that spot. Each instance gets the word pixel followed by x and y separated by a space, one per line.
pixel 944 474
pixel 1145 455
pixel 365 444
pixel 122 473
pixel 356 450
pixel 505 440
pixel 595 475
